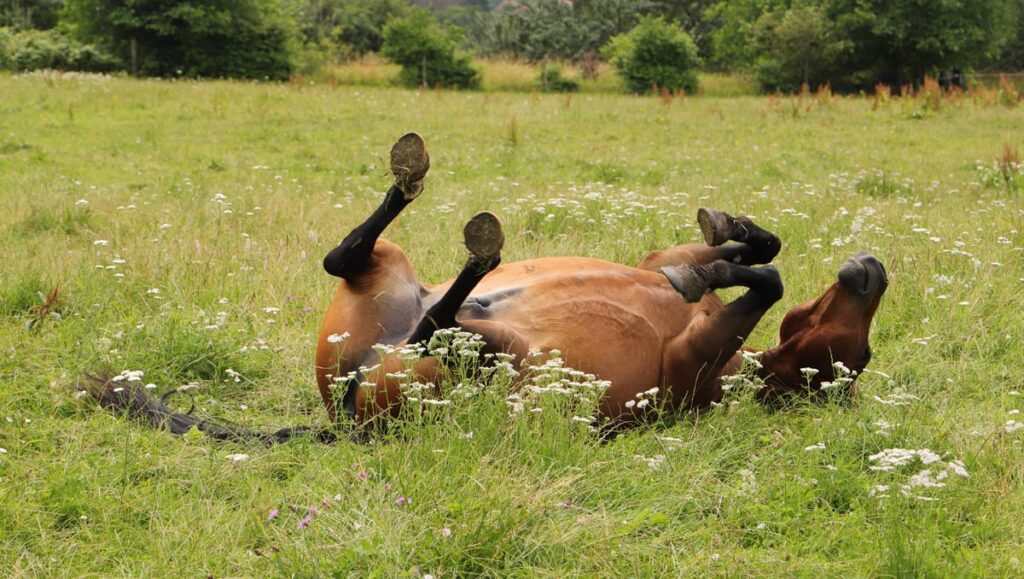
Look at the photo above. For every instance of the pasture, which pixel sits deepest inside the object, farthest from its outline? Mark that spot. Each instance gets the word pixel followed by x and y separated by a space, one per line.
pixel 184 224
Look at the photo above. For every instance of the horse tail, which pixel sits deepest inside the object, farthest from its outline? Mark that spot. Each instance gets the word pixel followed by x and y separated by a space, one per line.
pixel 126 399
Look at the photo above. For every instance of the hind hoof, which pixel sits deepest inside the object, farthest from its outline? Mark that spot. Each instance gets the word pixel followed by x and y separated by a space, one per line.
pixel 409 164
pixel 719 227
pixel 688 281
pixel 484 237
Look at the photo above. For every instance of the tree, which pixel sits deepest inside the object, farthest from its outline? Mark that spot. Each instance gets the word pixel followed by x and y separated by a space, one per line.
pixel 899 41
pixel 209 38
pixel 347 28
pixel 426 51
pixel 655 55
pixel 798 47
pixel 538 30
pixel 862 42
pixel 29 14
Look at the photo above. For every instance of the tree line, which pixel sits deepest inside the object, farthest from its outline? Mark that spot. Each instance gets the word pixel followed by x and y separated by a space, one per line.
pixel 850 45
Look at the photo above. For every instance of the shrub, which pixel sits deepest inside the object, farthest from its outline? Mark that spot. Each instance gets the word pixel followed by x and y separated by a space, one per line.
pixel 551 80
pixel 38 49
pixel 426 52
pixel 655 55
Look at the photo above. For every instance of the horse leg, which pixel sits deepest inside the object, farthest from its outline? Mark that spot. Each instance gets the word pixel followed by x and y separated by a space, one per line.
pixel 484 240
pixel 753 246
pixel 694 360
pixel 409 164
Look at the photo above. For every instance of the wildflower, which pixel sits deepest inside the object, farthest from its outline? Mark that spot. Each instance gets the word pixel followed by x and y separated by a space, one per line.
pixel 818 446
pixel 337 338
pixel 153 291
pixel 403 501
pixel 237 457
pixel 101 242
pixel 1012 426
pixel 446 532
pixel 271 310
pixel 273 514
pixel 363 475
pixel 304 521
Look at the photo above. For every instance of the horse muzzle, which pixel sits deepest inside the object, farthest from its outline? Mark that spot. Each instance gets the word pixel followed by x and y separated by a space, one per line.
pixel 863 275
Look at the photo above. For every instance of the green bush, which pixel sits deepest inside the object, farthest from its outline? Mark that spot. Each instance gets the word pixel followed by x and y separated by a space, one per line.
pixel 798 48
pixel 551 80
pixel 195 38
pixel 655 55
pixel 48 49
pixel 426 52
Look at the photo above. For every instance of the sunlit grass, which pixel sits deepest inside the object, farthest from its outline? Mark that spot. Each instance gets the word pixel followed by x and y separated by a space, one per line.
pixel 500 75
pixel 225 196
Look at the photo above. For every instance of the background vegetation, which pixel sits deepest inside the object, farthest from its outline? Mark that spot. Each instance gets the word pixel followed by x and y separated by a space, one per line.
pixel 183 224
pixel 849 45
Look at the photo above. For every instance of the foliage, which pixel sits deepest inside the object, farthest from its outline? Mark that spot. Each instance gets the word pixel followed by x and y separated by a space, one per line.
pixel 194 38
pixel 49 49
pixel 539 29
pixel 798 47
pixel 550 79
pixel 655 55
pixel 343 29
pixel 426 51
pixel 29 14
pixel 855 44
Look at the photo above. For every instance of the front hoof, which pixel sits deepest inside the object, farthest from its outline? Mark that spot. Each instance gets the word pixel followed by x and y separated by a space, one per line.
pixel 409 164
pixel 484 237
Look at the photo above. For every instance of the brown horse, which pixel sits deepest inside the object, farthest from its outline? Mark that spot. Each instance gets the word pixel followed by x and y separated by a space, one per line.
pixel 655 325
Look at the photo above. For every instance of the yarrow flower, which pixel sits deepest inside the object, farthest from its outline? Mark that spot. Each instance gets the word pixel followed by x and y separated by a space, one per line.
pixel 337 338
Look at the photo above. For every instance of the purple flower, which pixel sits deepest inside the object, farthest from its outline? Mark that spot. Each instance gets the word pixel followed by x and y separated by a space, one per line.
pixel 567 503
pixel 363 475
pixel 387 486
pixel 273 514
pixel 289 298
pixel 446 532
pixel 307 309
pixel 403 501
pixel 304 521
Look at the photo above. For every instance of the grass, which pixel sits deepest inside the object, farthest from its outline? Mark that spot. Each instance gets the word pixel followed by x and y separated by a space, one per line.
pixel 516 76
pixel 225 196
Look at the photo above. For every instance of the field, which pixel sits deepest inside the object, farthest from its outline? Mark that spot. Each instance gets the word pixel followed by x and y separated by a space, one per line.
pixel 184 224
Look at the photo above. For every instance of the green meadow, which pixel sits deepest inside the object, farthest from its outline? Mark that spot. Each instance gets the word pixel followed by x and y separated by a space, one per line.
pixel 177 228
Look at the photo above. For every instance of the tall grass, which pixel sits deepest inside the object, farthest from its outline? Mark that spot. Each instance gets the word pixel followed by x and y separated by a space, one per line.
pixel 223 197
pixel 500 75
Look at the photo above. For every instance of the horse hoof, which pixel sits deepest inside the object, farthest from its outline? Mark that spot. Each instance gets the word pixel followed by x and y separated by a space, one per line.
pixel 715 225
pixel 688 281
pixel 484 237
pixel 409 164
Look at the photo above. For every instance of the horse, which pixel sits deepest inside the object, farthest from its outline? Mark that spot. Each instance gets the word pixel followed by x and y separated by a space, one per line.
pixel 655 328
pixel 656 325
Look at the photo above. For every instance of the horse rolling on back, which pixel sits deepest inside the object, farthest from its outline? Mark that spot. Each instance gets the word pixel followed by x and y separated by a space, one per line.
pixel 658 324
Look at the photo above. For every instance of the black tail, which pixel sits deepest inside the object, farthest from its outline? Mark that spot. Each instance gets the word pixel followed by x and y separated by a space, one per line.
pixel 135 402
